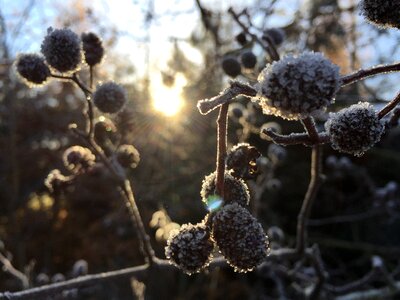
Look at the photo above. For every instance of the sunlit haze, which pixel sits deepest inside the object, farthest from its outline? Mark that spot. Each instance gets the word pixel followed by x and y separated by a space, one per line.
pixel 168 99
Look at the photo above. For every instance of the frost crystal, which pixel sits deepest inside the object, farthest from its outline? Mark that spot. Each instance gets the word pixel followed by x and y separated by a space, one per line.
pixel 128 156
pixel 77 158
pixel 190 248
pixel 32 68
pixel 297 87
pixel 62 49
pixel 241 159
pixel 109 97
pixel 235 189
pixel 355 129
pixel 240 238
pixel 382 12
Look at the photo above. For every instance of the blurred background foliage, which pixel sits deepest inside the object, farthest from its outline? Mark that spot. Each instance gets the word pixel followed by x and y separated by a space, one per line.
pixel 47 234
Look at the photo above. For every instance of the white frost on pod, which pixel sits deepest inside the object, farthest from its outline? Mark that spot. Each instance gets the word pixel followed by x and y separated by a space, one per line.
pixel 190 248
pixel 297 87
pixel 239 237
pixel 235 189
pixel 355 129
pixel 109 97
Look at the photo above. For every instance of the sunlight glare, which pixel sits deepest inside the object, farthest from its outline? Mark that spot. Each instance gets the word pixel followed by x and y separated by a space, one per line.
pixel 168 100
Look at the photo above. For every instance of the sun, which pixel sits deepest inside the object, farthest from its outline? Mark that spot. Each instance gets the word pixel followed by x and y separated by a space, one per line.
pixel 168 100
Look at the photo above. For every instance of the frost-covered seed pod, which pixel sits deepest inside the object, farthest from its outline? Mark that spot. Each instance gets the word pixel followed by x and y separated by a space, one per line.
pixel 78 158
pixel 248 59
pixel 92 48
pixel 109 97
pixel 235 189
pixel 242 160
pixel 58 277
pixel 383 13
pixel 42 279
pixel 32 68
pixel 276 153
pixel 104 129
pixel 190 248
pixel 276 34
pixel 239 237
pixel 355 129
pixel 128 156
pixel 298 87
pixel 276 234
pixel 236 111
pixel 241 38
pixel 80 268
pixel 62 50
pixel 231 66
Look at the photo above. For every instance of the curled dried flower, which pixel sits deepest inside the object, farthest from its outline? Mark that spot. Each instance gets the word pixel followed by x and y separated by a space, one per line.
pixel 128 156
pixel 235 189
pixel 248 59
pixel 62 50
pixel 32 68
pixel 92 48
pixel 297 87
pixel 78 158
pixel 190 248
pixel 109 97
pixel 381 12
pixel 239 237
pixel 354 129
pixel 55 181
pixel 242 160
pixel 231 66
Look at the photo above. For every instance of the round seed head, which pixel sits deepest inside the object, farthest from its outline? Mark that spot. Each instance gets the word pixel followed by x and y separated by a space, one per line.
pixel 128 156
pixel 231 66
pixel 236 111
pixel 78 158
pixel 62 50
pixel 109 97
pixel 239 237
pixel 277 35
pixel 297 87
pixel 242 160
pixel 235 189
pixel 241 38
pixel 354 129
pixel 92 48
pixel 382 12
pixel 32 68
pixel 190 248
pixel 248 59
pixel 80 268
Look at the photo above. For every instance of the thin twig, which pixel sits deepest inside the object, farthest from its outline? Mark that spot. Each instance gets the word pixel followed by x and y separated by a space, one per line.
pixel 295 138
pixel 235 89
pixel 389 107
pixel 362 74
pixel 222 129
pixel 270 48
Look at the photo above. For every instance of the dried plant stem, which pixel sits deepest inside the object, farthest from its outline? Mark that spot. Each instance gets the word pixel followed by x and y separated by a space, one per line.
pixel 137 220
pixel 295 138
pixel 222 129
pixel 362 74
pixel 115 169
pixel 315 181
